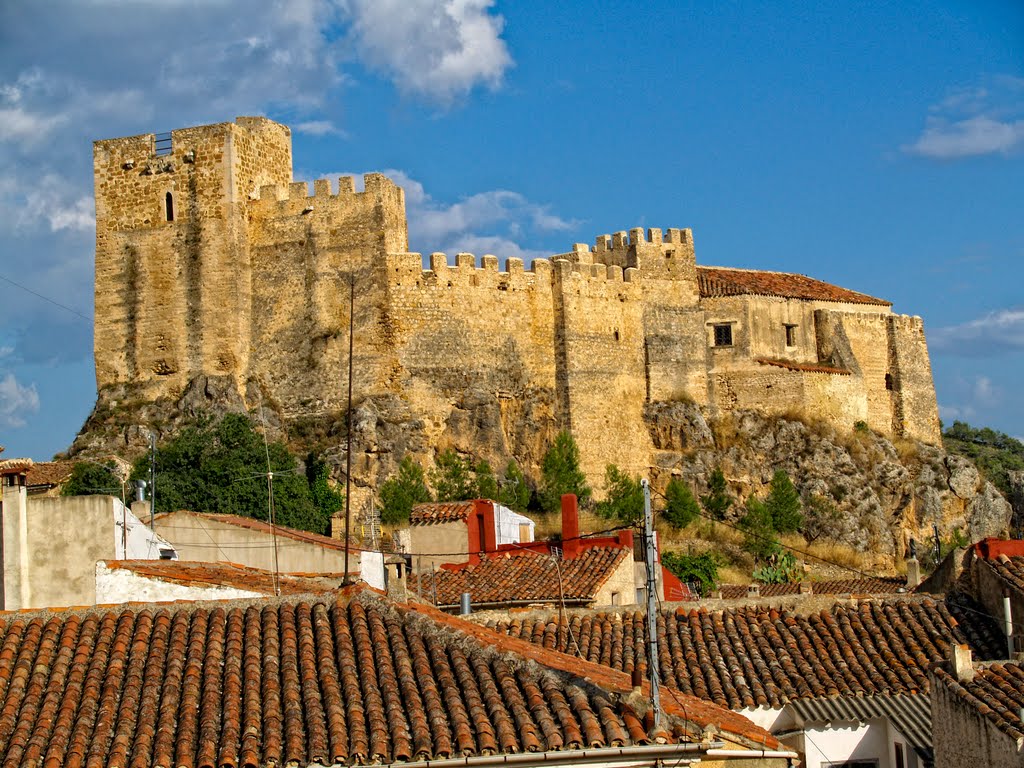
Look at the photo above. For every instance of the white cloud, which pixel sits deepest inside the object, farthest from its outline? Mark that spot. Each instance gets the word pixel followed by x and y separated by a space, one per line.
pixel 319 128
pixel 16 400
pixel 440 49
pixel 974 121
pixel 995 333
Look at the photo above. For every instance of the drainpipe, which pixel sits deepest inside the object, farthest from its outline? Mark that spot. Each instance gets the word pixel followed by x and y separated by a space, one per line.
pixel 1008 623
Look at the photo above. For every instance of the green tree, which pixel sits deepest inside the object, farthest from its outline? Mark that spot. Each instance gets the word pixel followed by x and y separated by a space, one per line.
pixel 561 473
pixel 485 481
pixel 453 477
pixel 624 499
pixel 783 503
pixel 716 502
pixel 698 570
pixel 93 478
pixel 515 492
pixel 681 507
pixel 326 500
pixel 759 537
pixel 400 492
pixel 994 453
pixel 221 466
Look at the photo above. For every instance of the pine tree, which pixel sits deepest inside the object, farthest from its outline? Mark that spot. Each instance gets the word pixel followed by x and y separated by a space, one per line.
pixel 400 492
pixel 783 504
pixel 561 473
pixel 716 502
pixel 453 477
pixel 624 500
pixel 486 482
pixel 681 507
pixel 759 537
pixel 514 493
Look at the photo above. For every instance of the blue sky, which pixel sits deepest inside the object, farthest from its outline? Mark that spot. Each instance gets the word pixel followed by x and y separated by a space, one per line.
pixel 878 145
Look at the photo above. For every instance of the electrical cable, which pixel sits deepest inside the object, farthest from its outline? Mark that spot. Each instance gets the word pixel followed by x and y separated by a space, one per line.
pixel 46 298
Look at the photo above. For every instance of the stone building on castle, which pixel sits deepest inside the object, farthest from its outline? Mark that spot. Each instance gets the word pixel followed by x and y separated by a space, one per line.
pixel 212 265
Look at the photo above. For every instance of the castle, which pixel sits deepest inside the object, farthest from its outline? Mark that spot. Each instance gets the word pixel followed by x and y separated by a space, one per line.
pixel 211 262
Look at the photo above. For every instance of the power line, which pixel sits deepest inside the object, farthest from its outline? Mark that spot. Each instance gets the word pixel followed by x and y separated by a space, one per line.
pixel 46 298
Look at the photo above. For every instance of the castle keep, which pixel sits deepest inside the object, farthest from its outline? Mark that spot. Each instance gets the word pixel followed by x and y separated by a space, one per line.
pixel 211 262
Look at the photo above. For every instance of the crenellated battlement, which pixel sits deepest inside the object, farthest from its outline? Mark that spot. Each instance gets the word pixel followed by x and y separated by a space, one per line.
pixel 375 186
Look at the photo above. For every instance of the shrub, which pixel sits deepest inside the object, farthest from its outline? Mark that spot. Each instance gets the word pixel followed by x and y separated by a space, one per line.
pixel 399 493
pixel 716 502
pixel 514 492
pixel 93 478
pixel 759 537
pixel 681 507
pixel 822 518
pixel 781 569
pixel 698 570
pixel 561 473
pixel 625 497
pixel 783 504
pixel 453 477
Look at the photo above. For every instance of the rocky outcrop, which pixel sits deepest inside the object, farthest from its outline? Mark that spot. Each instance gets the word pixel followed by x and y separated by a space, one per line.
pixel 877 494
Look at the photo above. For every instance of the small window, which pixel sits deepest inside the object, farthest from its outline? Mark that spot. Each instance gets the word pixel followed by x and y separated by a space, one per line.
pixel 616 598
pixel 888 381
pixel 169 206
pixel 723 335
pixel 616 334
pixel 790 335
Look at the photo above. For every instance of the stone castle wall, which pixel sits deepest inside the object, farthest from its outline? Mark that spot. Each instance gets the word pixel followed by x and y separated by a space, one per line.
pixel 250 281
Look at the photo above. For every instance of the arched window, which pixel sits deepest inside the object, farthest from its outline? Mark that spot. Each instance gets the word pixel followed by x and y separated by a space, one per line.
pixel 169 206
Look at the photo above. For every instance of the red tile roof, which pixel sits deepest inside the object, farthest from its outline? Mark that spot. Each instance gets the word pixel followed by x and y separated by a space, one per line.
pixel 440 512
pixel 1010 570
pixel 726 281
pixel 996 693
pixel 763 656
pixel 197 574
pixel 351 679
pixel 49 473
pixel 11 466
pixel 526 577
pixel 261 526
pixel 874 586
pixel 791 366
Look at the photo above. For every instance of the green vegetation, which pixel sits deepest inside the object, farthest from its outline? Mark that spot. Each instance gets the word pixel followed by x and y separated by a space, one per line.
pixel 681 507
pixel 994 453
pixel 514 492
pixel 698 570
pixel 716 502
pixel 624 500
pixel 957 539
pixel 221 466
pixel 759 536
pixel 453 477
pixel 90 478
pixel 400 492
pixel 781 569
pixel 783 504
pixel 561 473
pixel 821 519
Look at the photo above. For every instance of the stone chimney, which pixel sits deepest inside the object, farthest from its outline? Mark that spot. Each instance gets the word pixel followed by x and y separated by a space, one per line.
pixel 960 661
pixel 394 578
pixel 570 526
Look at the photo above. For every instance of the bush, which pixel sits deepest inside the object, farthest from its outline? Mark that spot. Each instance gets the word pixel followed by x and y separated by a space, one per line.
pixel 759 538
pixel 221 466
pixel 561 473
pixel 401 492
pixel 625 497
pixel 822 518
pixel 514 492
pixel 783 504
pixel 91 479
pixel 453 477
pixel 781 569
pixel 994 453
pixel 681 507
pixel 716 502
pixel 698 570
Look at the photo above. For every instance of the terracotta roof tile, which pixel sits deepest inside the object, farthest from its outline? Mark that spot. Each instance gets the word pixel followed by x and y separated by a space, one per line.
pixel 996 693
pixel 347 679
pixel 262 526
pixel 203 574
pixel 726 281
pixel 873 586
pixel 440 512
pixel 764 656
pixel 525 577
pixel 1010 570
pixel 49 473
pixel 791 366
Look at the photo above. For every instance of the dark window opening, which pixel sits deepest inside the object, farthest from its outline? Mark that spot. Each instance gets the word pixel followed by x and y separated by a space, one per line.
pixel 888 381
pixel 169 206
pixel 790 335
pixel 616 335
pixel 723 335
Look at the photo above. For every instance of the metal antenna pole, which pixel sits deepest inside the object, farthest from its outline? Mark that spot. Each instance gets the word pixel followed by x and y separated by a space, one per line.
pixel 652 606
pixel 348 430
pixel 152 482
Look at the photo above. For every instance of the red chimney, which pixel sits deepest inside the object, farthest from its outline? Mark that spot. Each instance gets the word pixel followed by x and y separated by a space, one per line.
pixel 570 526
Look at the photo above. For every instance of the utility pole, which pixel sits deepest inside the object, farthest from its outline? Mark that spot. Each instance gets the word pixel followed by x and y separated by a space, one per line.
pixel 152 482
pixel 652 603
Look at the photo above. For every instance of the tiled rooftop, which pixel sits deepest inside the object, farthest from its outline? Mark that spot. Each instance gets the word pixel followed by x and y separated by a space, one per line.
pixel 347 680
pixel 199 574
pixel 1010 570
pixel 525 577
pixel 996 693
pixel 725 281
pixel 757 655
pixel 874 586
pixel 49 473
pixel 261 526
pixel 440 512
